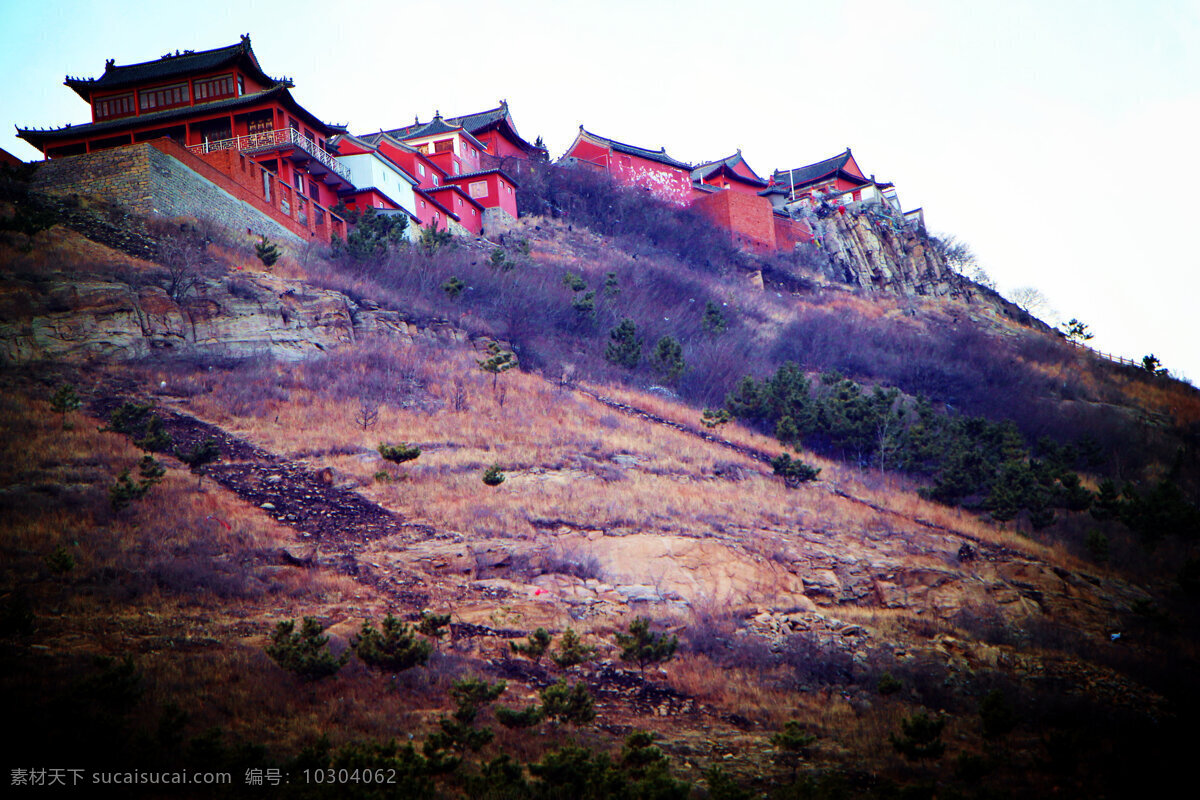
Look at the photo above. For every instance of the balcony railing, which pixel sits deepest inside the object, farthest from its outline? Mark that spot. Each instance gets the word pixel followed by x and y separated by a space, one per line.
pixel 274 138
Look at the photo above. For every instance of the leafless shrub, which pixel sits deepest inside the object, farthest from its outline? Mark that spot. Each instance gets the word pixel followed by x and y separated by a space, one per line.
pixel 573 559
pixel 241 289
pixel 458 396
pixel 182 250
pixel 367 414
pixel 984 622
pixel 711 631
pixel 816 661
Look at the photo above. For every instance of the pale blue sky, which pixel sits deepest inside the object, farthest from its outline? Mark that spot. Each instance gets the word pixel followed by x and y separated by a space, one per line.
pixel 1058 138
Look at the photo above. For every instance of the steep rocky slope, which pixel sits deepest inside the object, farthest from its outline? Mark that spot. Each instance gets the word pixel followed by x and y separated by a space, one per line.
pixel 791 604
pixel 875 250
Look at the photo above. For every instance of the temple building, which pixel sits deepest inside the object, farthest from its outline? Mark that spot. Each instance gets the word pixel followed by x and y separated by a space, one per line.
pixel 221 107
pixel 494 130
pixel 458 174
pixel 653 170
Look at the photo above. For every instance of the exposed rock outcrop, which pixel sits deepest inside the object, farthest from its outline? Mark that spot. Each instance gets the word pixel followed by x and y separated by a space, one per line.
pixel 68 317
pixel 871 248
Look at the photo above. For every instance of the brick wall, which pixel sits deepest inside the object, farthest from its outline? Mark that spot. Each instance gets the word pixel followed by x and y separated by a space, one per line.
pixel 121 175
pixel 790 231
pixel 160 177
pixel 182 185
pixel 748 218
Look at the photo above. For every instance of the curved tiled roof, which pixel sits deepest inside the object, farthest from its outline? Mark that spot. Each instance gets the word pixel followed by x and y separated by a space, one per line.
pixel 432 128
pixel 280 91
pixel 172 65
pixel 706 171
pixel 660 156
pixel 812 173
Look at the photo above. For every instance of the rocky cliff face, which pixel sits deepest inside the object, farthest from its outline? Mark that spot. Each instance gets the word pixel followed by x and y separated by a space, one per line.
pixel 68 317
pixel 873 249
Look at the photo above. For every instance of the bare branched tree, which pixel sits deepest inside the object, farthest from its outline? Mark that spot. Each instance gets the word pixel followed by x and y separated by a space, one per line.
pixel 367 414
pixel 183 252
pixel 1030 300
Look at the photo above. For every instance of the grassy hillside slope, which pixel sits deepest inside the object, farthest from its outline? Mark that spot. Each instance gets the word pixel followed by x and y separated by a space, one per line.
pixel 844 608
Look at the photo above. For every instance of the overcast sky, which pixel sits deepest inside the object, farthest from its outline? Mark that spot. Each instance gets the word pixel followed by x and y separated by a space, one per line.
pixel 1057 138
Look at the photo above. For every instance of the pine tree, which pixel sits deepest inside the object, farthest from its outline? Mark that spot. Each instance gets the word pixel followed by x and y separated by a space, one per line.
pixel 199 457
pixel 458 732
pixel 433 625
pixel 667 359
pixel 395 649
pixel 571 650
pixel 713 321
pixel 534 646
pixel 267 251
pixel 399 453
pixel 642 647
pixel 65 400
pixel 306 652
pixel 570 704
pixel 792 745
pixel 499 360
pixel 920 737
pixel 493 475
pixel 624 348
pixel 793 471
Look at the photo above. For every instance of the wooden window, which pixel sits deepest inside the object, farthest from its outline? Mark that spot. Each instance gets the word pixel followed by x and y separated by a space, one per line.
pixel 241 86
pixel 212 88
pixel 314 191
pixel 163 97
pixel 260 123
pixel 421 170
pixel 298 179
pixel 444 146
pixel 477 189
pixel 435 180
pixel 119 106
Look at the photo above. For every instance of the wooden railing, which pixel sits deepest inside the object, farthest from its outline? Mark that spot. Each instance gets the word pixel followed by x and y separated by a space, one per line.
pixel 1125 362
pixel 274 138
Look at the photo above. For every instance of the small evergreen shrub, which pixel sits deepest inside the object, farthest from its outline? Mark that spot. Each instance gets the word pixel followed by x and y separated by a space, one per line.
pixel 793 471
pixel 571 650
pixel 643 647
pixel 572 704
pixel 667 359
pixel 305 652
pixel 920 737
pixel 65 400
pixel 395 648
pixel 399 453
pixel 267 251
pixel 493 475
pixel 624 347
pixel 534 646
